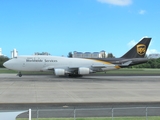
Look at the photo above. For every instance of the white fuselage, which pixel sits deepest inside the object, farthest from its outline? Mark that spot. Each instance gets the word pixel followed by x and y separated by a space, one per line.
pixel 45 63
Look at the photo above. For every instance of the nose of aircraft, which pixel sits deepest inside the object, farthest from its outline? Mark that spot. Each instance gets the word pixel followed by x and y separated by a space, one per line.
pixel 6 64
pixel 12 64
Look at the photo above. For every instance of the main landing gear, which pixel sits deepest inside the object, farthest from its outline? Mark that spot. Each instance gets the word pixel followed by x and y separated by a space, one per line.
pixel 75 75
pixel 19 74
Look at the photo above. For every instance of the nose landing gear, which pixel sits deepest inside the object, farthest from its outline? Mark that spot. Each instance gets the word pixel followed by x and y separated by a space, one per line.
pixel 19 74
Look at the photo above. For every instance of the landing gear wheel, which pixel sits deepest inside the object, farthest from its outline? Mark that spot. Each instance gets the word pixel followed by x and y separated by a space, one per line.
pixel 75 75
pixel 19 74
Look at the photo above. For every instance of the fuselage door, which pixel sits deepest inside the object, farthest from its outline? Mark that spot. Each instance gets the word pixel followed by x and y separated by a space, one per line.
pixel 23 65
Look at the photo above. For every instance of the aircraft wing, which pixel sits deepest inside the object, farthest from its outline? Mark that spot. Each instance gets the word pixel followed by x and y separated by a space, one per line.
pixel 48 68
pixel 76 67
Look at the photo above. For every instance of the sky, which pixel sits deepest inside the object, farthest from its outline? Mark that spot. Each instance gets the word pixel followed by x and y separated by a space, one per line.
pixel 62 26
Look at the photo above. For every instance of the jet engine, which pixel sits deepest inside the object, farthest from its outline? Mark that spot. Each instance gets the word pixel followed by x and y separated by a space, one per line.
pixel 83 71
pixel 59 72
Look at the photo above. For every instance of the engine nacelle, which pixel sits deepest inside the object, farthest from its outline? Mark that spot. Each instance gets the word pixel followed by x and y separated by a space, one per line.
pixel 83 71
pixel 59 72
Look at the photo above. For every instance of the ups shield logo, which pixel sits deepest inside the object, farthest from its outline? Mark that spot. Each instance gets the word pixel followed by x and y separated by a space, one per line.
pixel 141 49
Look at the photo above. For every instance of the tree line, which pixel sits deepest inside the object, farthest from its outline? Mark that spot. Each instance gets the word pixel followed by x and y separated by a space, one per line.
pixel 151 63
pixel 2 60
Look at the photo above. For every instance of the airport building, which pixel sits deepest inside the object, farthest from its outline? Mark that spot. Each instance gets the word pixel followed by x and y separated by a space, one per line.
pixel 154 56
pixel 101 54
pixel 43 53
pixel 14 53
pixel 1 52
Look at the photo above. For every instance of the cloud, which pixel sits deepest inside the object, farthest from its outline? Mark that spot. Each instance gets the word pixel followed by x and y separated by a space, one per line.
pixel 116 2
pixel 152 51
pixel 132 43
pixel 142 12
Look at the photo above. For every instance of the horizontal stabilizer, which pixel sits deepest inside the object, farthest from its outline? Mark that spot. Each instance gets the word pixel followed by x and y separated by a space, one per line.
pixel 126 63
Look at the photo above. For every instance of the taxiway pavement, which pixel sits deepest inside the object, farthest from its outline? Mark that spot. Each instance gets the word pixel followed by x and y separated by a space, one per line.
pixel 87 89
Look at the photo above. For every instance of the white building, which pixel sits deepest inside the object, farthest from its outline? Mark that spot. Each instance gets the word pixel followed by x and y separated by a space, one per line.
pixel 77 54
pixel 43 53
pixel 154 56
pixel 96 55
pixel 1 52
pixel 87 55
pixel 101 54
pixel 14 53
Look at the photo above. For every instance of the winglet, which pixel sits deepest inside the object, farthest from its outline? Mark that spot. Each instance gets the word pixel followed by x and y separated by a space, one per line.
pixel 139 50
